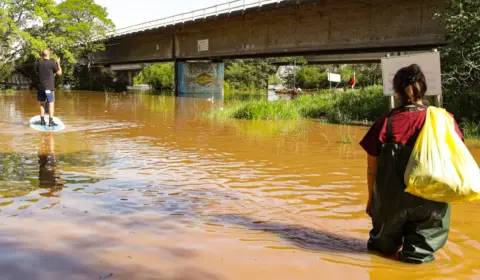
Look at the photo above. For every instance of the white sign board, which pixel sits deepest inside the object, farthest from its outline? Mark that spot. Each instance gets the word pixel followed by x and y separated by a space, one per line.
pixel 429 62
pixel 334 77
pixel 202 45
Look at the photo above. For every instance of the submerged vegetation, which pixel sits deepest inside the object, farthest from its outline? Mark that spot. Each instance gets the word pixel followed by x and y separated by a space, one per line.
pixel 336 107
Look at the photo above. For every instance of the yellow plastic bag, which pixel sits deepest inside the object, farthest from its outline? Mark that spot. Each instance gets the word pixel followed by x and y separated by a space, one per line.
pixel 441 168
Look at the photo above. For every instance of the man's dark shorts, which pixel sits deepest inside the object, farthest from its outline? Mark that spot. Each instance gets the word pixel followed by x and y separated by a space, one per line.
pixel 46 95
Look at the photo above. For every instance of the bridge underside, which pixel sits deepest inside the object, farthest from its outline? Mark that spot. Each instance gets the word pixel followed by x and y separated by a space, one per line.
pixel 328 28
pixel 321 27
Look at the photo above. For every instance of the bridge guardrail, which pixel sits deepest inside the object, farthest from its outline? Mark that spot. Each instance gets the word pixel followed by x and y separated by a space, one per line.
pixel 216 10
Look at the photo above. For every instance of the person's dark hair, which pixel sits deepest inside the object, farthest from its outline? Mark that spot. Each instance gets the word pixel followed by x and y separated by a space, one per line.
pixel 410 83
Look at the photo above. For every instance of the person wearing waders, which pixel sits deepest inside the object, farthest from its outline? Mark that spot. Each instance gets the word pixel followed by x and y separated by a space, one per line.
pixel 401 221
pixel 46 70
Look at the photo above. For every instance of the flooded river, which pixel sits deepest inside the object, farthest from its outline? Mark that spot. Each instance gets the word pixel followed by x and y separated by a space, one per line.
pixel 144 187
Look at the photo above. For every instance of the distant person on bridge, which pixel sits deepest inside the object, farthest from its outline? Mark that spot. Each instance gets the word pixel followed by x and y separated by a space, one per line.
pixel 400 220
pixel 46 70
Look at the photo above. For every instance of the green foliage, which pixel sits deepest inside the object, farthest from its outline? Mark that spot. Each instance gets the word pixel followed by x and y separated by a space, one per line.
pixel 259 110
pixel 274 80
pixel 461 59
pixel 248 74
pixel 255 74
pixel 226 87
pixel 159 76
pixel 316 76
pixel 309 77
pixel 366 104
pixel 70 29
pixel 334 106
pixel 470 130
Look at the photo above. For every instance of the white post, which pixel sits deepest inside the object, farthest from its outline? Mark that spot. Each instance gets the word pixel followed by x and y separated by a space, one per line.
pixel 354 78
pixel 439 101
pixel 392 102
pixel 438 98
pixel 295 74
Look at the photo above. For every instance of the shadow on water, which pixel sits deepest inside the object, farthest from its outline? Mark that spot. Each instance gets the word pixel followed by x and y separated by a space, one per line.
pixel 301 236
pixel 22 257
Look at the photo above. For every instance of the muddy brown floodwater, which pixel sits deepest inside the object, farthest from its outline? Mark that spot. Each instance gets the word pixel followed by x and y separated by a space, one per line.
pixel 144 187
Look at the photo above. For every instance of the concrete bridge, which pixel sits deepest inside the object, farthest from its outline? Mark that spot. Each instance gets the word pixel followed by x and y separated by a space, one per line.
pixel 198 41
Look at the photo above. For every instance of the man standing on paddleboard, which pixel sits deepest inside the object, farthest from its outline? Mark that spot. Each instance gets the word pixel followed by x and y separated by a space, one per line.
pixel 46 70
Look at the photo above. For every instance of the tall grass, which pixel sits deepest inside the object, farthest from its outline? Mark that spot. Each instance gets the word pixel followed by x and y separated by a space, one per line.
pixel 335 107
pixel 259 110
pixel 470 130
pixel 10 91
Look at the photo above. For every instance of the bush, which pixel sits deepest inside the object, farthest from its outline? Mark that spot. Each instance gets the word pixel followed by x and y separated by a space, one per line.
pixel 248 74
pixel 338 107
pixel 461 59
pixel 259 110
pixel 159 76
pixel 316 76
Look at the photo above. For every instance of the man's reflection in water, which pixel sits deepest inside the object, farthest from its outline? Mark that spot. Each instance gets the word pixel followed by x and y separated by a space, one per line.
pixel 47 161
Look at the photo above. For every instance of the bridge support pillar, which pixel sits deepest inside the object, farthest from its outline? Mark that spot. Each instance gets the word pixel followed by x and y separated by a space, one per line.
pixel 199 78
pixel 130 76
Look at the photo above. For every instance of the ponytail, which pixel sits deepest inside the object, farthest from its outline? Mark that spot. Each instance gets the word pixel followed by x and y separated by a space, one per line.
pixel 410 84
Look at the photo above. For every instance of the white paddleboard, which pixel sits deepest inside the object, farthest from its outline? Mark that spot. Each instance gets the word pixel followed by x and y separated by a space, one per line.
pixel 35 124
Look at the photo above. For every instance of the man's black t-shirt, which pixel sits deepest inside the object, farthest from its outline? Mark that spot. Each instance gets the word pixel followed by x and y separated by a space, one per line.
pixel 46 70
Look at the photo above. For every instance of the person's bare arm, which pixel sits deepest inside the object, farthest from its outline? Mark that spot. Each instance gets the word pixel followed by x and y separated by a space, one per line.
pixel 59 72
pixel 371 173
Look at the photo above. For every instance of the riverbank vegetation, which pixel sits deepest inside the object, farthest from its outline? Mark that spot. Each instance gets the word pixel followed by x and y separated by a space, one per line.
pixel 160 76
pixel 461 82
pixel 240 76
pixel 333 106
pixel 315 77
pixel 461 62
pixel 70 29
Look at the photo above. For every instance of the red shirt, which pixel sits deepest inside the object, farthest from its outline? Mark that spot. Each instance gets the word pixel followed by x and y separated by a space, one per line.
pixel 406 127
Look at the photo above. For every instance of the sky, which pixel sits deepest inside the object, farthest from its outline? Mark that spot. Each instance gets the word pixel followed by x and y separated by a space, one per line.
pixel 128 12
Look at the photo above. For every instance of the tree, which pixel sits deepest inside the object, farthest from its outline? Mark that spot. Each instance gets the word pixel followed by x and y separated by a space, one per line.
pixel 15 17
pixel 316 76
pixel 158 75
pixel 308 77
pixel 461 59
pixel 252 74
pixel 80 25
pixel 248 74
pixel 71 29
